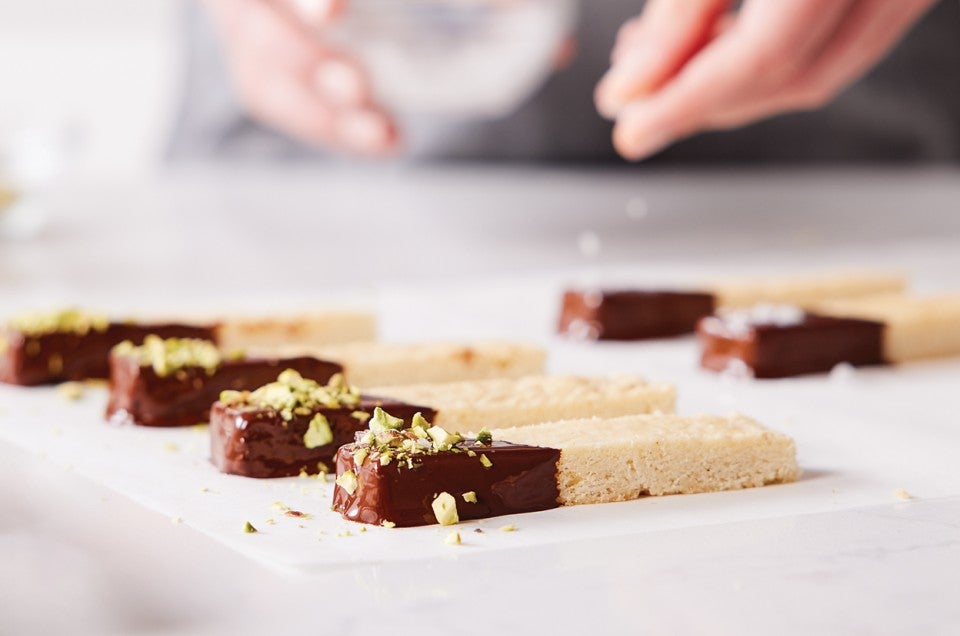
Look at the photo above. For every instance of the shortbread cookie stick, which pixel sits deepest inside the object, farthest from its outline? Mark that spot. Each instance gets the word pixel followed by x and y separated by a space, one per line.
pixel 70 344
pixel 250 436
pixel 915 327
pixel 782 341
pixel 624 458
pixel 638 314
pixel 369 364
pixel 434 476
pixel 174 382
pixel 315 328
pixel 472 405
pixel 293 425
pixel 805 290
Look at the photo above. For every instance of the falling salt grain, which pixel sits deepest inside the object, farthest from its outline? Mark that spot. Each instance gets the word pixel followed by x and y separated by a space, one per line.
pixel 842 373
pixel 736 371
pixel 589 244
pixel 582 330
pixel 637 208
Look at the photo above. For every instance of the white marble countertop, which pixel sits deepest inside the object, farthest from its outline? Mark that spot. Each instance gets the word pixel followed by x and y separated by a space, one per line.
pixel 445 245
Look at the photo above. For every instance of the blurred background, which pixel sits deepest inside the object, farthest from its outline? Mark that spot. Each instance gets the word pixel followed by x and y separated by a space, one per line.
pixel 127 85
pixel 99 74
pixel 134 134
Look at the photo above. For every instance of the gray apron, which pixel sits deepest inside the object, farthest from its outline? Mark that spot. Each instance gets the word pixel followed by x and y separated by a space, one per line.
pixel 907 109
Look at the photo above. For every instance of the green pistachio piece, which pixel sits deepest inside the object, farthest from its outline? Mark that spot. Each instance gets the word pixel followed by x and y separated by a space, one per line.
pixel 348 481
pixel 419 421
pixel 359 455
pixel 172 354
pixel 383 421
pixel 229 398
pixel 443 440
pixel 470 497
pixel 362 416
pixel 71 390
pixel 484 436
pixel 453 538
pixel 445 509
pixel 60 321
pixel 318 432
pixel 248 528
pixel 388 524
pixel 485 461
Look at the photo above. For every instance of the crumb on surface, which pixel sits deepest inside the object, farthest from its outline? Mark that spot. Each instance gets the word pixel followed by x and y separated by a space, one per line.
pixel 71 390
pixel 453 538
pixel 902 494
pixel 508 528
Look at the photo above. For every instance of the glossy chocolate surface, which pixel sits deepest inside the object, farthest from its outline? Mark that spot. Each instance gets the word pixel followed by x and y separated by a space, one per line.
pixel 814 344
pixel 259 443
pixel 521 479
pixel 184 397
pixel 632 315
pixel 58 357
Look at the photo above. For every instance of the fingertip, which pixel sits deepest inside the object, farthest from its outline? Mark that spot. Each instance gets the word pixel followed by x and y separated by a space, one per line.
pixel 316 12
pixel 366 132
pixel 340 82
pixel 601 99
pixel 626 81
pixel 634 140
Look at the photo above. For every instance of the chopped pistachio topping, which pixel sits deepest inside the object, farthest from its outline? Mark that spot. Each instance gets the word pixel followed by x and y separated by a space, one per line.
pixel 167 355
pixel 363 416
pixel 453 538
pixel 248 528
pixel 388 442
pixel 230 398
pixel 359 456
pixel 508 528
pixel 484 437
pixel 383 421
pixel 60 321
pixel 470 497
pixel 445 509
pixel 485 461
pixel 348 481
pixel 292 394
pixel 318 432
pixel 419 421
pixel 388 524
pixel 442 440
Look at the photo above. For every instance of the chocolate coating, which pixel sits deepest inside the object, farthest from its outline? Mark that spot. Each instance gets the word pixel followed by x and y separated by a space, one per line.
pixel 139 396
pixel 259 443
pixel 58 357
pixel 815 344
pixel 632 315
pixel 521 479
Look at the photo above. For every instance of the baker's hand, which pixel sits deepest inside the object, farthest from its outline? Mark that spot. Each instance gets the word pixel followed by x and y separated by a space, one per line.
pixel 685 66
pixel 289 80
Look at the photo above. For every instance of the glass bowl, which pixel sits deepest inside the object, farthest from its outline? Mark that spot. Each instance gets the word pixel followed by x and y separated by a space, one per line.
pixel 455 58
